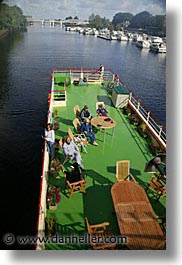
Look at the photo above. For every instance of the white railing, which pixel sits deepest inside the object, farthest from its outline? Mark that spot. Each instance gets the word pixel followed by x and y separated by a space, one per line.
pixel 146 116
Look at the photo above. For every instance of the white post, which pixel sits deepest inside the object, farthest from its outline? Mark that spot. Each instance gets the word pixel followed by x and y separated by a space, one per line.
pixel 160 131
pixel 148 116
pixel 138 105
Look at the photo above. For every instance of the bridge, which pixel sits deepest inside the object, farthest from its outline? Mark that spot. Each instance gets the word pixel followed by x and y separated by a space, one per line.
pixel 53 22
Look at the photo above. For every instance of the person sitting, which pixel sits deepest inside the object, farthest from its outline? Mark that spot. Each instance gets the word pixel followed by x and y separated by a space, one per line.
pixel 85 113
pixel 87 130
pixel 71 150
pixel 74 175
pixel 102 111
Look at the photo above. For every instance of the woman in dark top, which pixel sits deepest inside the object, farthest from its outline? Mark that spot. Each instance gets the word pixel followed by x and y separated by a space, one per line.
pixel 74 175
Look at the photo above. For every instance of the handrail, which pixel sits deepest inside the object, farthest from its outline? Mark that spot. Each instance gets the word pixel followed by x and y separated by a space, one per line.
pixel 146 117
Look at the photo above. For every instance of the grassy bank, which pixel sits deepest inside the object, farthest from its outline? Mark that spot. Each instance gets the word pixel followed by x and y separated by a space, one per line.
pixel 3 33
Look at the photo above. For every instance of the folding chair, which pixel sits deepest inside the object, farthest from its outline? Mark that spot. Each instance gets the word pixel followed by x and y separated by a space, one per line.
pixel 100 232
pixel 76 110
pixel 157 186
pixel 75 187
pixel 79 139
pixel 76 124
pixel 123 171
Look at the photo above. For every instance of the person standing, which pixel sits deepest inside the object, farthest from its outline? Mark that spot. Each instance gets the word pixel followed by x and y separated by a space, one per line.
pixel 101 70
pixel 50 140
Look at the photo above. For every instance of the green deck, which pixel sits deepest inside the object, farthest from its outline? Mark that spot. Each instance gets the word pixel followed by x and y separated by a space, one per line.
pixel 100 167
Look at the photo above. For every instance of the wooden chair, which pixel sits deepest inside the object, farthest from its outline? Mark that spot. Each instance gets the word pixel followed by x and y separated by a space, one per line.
pixel 76 124
pixel 100 103
pixel 123 171
pixel 99 232
pixel 157 186
pixel 79 139
pixel 75 187
pixel 66 158
pixel 76 110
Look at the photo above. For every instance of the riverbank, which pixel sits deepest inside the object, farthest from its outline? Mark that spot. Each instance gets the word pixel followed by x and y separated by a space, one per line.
pixel 3 33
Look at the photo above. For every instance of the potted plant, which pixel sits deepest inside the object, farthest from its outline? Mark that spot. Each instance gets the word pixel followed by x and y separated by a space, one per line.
pixel 142 129
pixel 56 125
pixel 50 223
pixel 56 165
pixel 55 113
pixel 53 197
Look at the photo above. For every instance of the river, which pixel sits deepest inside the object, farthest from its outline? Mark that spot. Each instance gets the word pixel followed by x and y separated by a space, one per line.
pixel 26 61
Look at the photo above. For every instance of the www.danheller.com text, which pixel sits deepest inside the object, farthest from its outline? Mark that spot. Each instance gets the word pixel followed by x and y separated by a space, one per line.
pixel 10 239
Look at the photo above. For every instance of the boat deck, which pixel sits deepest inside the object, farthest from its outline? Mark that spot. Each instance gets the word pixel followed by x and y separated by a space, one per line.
pixel 100 166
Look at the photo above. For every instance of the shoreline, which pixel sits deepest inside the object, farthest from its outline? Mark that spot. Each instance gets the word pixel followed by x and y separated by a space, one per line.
pixel 3 33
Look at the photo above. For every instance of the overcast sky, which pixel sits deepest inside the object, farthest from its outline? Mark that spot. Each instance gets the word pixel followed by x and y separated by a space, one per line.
pixel 84 8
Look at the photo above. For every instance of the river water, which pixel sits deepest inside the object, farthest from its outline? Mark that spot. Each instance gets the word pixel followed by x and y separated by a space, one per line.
pixel 26 61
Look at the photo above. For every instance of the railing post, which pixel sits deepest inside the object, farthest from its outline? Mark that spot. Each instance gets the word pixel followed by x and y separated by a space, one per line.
pixel 148 116
pixel 138 104
pixel 160 131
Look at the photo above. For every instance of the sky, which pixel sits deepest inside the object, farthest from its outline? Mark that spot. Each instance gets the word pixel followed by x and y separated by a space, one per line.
pixel 84 8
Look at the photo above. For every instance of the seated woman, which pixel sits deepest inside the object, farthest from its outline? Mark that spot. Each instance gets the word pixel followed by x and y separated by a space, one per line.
pixel 71 150
pixel 87 130
pixel 102 111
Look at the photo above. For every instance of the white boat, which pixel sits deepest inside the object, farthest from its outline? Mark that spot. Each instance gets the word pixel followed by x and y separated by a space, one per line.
pixel 143 44
pixel 137 37
pixel 104 36
pixel 158 47
pixel 123 37
pixel 156 39
pixel 114 37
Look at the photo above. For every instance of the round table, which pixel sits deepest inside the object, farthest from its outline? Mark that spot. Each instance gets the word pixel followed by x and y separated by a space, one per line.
pixel 100 123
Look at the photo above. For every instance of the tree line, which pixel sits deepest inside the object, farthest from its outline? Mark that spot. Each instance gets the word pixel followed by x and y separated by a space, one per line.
pixel 11 17
pixel 142 21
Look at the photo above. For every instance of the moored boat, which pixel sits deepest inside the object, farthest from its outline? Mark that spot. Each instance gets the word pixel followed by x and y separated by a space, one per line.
pixel 143 44
pixel 158 47
pixel 130 133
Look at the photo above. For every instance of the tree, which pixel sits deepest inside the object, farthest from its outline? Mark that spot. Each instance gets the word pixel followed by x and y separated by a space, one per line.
pixel 70 17
pixel 141 20
pixel 121 18
pixel 12 18
pixel 98 22
pixel 76 17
